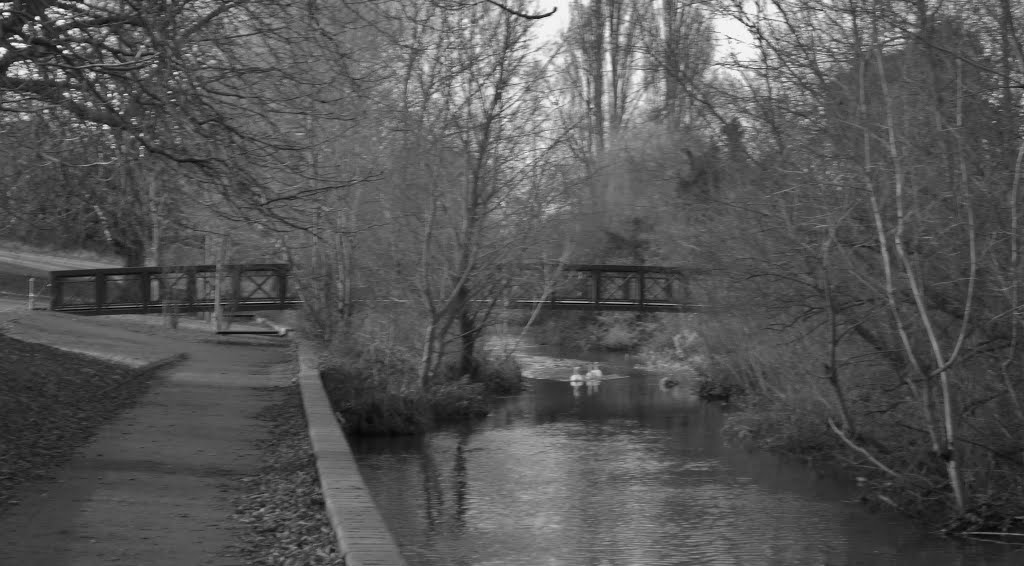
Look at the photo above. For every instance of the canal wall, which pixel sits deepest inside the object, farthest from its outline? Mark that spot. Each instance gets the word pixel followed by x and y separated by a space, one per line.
pixel 362 536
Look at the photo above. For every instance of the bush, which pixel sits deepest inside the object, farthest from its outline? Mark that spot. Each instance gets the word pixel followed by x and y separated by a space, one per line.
pixel 367 405
pixel 795 429
pixel 612 331
pixel 500 377
pixel 570 329
pixel 458 400
pixel 708 389
pixel 372 402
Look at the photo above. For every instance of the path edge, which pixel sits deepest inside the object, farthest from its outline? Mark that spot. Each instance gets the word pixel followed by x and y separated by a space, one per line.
pixel 362 536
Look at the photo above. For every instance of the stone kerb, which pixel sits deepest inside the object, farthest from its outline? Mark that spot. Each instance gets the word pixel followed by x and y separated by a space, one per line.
pixel 363 537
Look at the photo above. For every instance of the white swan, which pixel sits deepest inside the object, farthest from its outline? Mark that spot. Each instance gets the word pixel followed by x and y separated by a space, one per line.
pixel 595 372
pixel 577 375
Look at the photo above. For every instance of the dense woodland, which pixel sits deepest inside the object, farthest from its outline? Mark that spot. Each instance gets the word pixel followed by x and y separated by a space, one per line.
pixel 849 175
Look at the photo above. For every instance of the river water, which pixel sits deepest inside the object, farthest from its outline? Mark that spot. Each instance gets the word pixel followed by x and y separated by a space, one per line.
pixel 623 474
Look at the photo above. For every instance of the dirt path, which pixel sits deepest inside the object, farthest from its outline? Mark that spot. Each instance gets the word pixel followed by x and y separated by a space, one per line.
pixel 154 486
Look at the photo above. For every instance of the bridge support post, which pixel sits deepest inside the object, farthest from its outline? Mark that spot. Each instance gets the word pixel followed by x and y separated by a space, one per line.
pixel 146 290
pixel 640 290
pixel 236 284
pixel 100 281
pixel 282 287
pixel 57 297
pixel 190 288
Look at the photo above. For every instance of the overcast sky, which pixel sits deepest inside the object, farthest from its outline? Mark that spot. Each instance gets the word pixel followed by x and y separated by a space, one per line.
pixel 726 27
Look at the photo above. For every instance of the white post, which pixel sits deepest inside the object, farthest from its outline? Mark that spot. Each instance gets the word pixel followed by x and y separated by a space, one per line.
pixel 31 293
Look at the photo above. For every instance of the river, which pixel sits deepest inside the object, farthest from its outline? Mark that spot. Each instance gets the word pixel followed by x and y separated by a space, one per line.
pixel 626 474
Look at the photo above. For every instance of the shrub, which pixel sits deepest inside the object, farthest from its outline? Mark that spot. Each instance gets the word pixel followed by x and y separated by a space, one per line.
pixel 500 377
pixel 365 392
pixel 458 400
pixel 366 403
pixel 798 429
pixel 571 329
pixel 708 389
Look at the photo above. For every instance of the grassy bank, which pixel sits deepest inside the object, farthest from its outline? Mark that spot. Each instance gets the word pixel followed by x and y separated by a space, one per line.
pixel 52 402
pixel 73 253
pixel 862 420
pixel 788 401
pixel 282 506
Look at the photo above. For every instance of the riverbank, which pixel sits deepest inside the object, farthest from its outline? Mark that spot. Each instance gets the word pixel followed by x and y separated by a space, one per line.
pixel 796 427
pixel 861 417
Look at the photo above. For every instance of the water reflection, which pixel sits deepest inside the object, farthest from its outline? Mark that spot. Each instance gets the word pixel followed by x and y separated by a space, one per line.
pixel 623 472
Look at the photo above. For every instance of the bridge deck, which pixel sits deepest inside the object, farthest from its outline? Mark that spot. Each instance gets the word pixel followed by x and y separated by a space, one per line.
pixel 583 305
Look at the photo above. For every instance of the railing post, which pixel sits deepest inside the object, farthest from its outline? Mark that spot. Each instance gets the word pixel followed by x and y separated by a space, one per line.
pixel 554 287
pixel 145 284
pixel 190 287
pixel 236 286
pixel 282 286
pixel 641 294
pixel 596 275
pixel 57 298
pixel 100 281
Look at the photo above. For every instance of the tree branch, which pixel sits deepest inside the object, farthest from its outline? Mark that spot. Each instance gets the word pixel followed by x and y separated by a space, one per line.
pixel 523 15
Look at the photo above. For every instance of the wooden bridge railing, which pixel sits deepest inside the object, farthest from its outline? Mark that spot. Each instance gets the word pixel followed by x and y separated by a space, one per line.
pixel 257 287
pixel 618 287
pixel 185 289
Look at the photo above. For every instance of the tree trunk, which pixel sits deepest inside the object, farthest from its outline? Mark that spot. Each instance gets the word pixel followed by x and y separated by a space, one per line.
pixel 468 333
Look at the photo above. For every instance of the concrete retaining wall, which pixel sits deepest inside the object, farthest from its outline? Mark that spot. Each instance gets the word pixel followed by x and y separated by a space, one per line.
pixel 363 538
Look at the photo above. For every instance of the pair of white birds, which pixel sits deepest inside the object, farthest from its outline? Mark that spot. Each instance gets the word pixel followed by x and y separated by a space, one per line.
pixel 592 374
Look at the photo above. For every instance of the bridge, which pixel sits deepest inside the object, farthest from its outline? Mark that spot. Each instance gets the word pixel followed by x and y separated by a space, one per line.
pixel 641 288
pixel 262 287
pixel 192 288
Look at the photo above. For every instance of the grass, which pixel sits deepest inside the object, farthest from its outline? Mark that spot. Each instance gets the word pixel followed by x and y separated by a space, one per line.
pixel 14 279
pixel 85 255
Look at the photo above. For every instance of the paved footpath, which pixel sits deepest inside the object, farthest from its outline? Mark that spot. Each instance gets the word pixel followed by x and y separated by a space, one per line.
pixel 154 486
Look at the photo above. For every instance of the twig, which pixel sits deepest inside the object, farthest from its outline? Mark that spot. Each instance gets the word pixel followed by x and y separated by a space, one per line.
pixel 842 436
pixel 993 534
